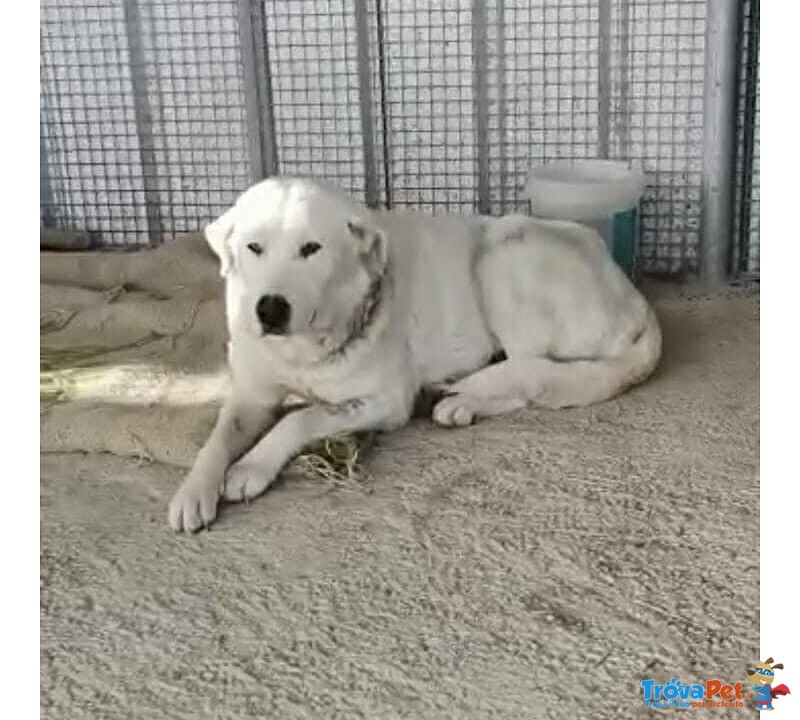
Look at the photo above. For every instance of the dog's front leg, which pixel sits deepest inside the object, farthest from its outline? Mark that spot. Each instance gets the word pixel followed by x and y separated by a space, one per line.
pixel 254 473
pixel 238 427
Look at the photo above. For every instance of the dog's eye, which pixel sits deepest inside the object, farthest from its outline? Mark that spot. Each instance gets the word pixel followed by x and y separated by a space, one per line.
pixel 309 249
pixel 255 248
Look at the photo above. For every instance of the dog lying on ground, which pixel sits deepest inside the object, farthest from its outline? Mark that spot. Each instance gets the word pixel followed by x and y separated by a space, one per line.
pixel 356 311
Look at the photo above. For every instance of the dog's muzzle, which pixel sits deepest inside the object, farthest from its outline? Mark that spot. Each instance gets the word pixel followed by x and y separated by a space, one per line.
pixel 273 313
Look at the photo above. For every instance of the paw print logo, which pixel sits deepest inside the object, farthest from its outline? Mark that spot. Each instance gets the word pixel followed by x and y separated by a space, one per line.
pixel 672 688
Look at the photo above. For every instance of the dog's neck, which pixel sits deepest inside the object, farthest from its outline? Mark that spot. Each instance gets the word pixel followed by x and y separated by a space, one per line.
pixel 363 318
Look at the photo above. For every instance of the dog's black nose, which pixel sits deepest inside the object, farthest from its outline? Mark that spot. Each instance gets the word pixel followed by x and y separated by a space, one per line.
pixel 273 313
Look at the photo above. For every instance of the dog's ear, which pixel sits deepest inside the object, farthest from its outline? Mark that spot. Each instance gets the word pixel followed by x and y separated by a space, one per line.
pixel 372 244
pixel 218 235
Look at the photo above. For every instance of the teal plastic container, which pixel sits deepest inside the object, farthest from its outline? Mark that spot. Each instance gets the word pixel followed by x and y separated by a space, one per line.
pixel 621 233
pixel 603 194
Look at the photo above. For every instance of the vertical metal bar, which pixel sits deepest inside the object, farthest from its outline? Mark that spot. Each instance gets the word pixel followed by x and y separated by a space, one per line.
pixel 384 82
pixel 622 129
pixel 480 64
pixel 269 143
pixel 748 134
pixel 143 117
pixel 603 78
pixel 258 90
pixel 365 103
pixel 719 138
pixel 46 199
pixel 251 93
pixel 47 209
pixel 502 108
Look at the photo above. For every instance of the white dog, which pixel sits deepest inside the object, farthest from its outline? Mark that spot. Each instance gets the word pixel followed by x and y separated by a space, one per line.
pixel 356 311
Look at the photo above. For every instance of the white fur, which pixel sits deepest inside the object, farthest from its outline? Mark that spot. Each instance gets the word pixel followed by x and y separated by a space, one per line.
pixel 453 291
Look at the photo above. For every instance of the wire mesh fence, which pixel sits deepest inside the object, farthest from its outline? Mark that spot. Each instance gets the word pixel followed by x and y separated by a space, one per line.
pixel 92 170
pixel 545 95
pixel 156 113
pixel 664 125
pixel 142 121
pixel 315 90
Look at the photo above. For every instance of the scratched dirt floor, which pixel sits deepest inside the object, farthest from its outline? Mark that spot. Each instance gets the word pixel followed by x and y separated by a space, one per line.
pixel 538 565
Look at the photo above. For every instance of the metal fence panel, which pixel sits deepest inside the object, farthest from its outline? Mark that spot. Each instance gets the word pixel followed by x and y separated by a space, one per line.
pixel 430 105
pixel 155 113
pixel 666 67
pixel 313 49
pixel 142 118
pixel 193 90
pixel 545 85
pixel 94 178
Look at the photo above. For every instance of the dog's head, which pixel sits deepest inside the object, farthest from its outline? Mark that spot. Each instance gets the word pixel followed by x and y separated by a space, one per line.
pixel 763 673
pixel 298 259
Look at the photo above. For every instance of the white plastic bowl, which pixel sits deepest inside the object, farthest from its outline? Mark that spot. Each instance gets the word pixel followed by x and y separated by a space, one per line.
pixel 583 189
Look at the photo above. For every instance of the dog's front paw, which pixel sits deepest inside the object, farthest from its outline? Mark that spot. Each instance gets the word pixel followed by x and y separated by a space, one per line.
pixel 194 505
pixel 246 480
pixel 454 410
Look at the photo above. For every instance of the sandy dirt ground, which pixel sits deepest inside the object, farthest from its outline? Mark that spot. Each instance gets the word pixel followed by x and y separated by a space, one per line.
pixel 538 565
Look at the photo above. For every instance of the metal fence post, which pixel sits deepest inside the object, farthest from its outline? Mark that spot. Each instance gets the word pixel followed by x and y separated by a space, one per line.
pixel 258 90
pixel 383 81
pixel 365 99
pixel 604 78
pixel 748 136
pixel 46 200
pixel 622 116
pixel 502 106
pixel 719 139
pixel 480 64
pixel 143 116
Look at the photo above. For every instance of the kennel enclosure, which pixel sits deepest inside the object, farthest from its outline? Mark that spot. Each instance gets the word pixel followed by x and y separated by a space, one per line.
pixel 155 114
